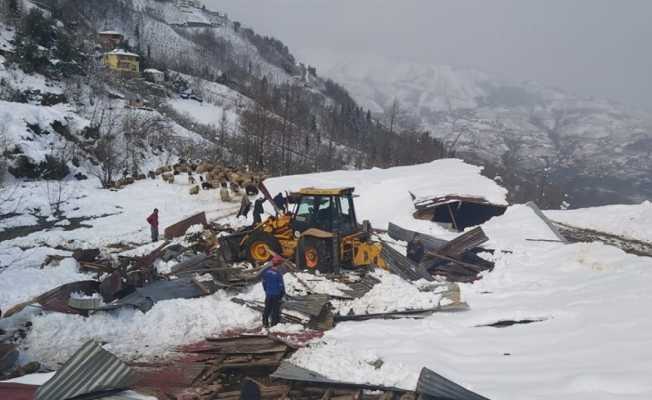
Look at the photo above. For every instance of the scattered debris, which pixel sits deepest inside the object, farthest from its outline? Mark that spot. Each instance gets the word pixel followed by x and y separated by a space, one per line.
pixel 633 246
pixel 509 322
pixel 292 373
pixel 86 255
pixel 454 307
pixel 145 297
pixel 180 228
pixel 455 260
pixel 430 243
pixel 91 370
pixel 458 211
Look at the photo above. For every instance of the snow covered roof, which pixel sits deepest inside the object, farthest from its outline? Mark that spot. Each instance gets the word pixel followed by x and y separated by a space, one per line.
pixel 385 193
pixel 121 52
pixel 152 71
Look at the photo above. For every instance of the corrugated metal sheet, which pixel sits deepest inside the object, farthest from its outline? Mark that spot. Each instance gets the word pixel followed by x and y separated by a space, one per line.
pixel 291 372
pixel 309 305
pixel 361 287
pixel 90 370
pixel 403 266
pixel 430 243
pixel 432 386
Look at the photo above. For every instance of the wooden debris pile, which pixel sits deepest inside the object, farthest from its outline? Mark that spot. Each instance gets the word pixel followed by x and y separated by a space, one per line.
pixel 456 260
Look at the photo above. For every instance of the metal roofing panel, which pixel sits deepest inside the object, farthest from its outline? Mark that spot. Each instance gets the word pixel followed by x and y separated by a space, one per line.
pixel 433 386
pixel 310 305
pixel 90 370
pixel 291 372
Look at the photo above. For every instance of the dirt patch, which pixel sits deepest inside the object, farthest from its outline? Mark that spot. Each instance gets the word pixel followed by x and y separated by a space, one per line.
pixel 43 225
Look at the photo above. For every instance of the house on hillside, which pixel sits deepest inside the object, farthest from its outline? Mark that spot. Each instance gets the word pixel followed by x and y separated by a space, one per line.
pixel 111 39
pixel 122 61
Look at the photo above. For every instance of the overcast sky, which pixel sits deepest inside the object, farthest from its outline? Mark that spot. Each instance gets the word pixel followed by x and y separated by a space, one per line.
pixel 590 47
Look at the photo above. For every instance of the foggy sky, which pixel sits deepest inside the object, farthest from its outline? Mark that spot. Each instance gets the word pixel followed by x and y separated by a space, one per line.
pixel 590 47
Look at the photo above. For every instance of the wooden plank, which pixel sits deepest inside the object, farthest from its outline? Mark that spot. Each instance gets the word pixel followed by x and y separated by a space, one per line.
pixel 450 212
pixel 464 242
pixel 201 286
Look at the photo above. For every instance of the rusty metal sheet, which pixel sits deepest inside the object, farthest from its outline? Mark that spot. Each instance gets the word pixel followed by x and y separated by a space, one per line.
pixel 17 391
pixel 57 299
pixel 90 370
pixel 180 228
pixel 432 386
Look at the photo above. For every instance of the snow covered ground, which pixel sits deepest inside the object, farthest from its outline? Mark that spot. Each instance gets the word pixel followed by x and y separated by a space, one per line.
pixel 591 301
pixel 629 221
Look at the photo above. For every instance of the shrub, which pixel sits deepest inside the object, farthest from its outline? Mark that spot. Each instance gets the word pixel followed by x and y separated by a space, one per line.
pixel 53 168
pixel 24 167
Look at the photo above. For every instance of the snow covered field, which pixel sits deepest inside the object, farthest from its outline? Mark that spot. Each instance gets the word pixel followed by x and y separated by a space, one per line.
pixel 629 221
pixel 590 301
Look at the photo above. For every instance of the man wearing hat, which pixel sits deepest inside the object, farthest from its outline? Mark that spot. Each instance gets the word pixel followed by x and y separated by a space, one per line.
pixel 274 291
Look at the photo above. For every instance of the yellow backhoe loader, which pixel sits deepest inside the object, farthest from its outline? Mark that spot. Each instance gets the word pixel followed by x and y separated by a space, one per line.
pixel 320 233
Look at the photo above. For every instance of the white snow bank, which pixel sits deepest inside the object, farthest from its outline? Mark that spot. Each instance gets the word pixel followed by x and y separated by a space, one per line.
pixel 126 210
pixel 391 294
pixel 593 342
pixel 132 335
pixel 24 278
pixel 384 193
pixel 630 221
pixel 204 113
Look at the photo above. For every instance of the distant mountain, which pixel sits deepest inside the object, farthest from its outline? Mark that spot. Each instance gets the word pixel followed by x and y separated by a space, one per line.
pixel 594 151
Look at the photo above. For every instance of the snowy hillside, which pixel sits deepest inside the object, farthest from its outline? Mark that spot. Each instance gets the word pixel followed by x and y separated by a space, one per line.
pixel 597 151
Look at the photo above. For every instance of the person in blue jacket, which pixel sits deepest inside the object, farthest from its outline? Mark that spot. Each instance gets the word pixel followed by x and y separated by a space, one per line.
pixel 274 291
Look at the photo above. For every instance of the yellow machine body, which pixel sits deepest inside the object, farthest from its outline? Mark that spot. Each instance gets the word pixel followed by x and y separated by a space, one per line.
pixel 355 249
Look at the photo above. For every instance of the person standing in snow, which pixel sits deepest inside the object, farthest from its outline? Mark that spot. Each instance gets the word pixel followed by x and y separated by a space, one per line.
pixel 245 206
pixel 153 224
pixel 258 210
pixel 274 291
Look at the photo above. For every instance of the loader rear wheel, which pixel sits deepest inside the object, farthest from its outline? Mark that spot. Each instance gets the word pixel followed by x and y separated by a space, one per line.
pixel 259 247
pixel 314 254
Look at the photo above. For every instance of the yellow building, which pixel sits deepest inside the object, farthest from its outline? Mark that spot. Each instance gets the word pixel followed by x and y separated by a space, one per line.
pixel 122 61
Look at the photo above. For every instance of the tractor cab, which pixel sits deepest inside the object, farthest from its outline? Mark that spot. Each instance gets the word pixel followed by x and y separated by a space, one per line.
pixel 329 210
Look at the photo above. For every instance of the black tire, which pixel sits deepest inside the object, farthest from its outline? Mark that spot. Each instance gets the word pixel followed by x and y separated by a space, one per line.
pixel 315 254
pixel 253 243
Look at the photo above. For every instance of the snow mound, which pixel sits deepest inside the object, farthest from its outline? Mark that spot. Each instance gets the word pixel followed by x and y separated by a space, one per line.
pixel 384 194
pixel 629 221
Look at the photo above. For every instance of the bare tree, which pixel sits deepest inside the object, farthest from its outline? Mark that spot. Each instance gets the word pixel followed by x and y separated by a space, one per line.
pixel 58 193
pixel 104 125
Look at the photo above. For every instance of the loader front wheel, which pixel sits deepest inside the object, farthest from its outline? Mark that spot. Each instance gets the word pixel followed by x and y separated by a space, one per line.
pixel 313 254
pixel 260 247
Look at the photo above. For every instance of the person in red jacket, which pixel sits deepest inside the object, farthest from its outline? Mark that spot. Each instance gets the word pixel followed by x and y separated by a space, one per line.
pixel 153 224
